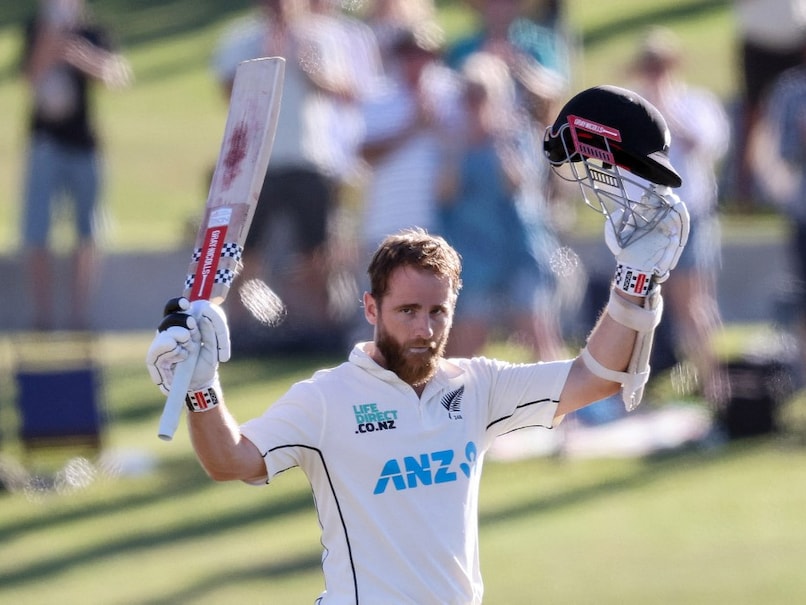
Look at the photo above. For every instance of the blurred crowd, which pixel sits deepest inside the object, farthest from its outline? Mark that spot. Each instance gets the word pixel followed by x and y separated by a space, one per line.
pixel 385 126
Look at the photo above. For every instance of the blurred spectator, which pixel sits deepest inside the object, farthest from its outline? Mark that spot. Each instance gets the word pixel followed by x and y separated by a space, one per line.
pixel 355 60
pixel 390 18
pixel 357 46
pixel 770 37
pixel 507 32
pixel 700 136
pixel 784 169
pixel 484 175
pixel 543 204
pixel 64 53
pixel 407 123
pixel 311 150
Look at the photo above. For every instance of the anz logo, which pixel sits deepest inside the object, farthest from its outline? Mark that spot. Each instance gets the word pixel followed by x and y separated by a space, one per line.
pixel 426 469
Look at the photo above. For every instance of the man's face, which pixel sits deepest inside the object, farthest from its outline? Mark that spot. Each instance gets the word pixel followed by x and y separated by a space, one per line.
pixel 412 323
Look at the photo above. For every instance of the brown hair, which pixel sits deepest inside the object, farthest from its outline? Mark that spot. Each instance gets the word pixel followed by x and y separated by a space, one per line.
pixel 413 248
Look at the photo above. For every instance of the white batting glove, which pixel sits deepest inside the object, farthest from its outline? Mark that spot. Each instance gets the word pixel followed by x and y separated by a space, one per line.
pixel 185 328
pixel 649 259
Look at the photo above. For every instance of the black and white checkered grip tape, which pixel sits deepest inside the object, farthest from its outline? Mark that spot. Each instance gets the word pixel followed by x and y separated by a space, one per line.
pixel 222 276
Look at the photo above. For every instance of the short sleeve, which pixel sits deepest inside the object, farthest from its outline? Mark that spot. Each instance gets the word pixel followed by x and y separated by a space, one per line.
pixel 289 430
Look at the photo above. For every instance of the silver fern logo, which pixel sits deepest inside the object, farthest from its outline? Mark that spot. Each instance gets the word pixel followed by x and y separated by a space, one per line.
pixel 453 403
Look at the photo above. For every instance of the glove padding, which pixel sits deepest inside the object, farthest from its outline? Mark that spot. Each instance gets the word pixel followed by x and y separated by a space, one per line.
pixel 657 251
pixel 186 328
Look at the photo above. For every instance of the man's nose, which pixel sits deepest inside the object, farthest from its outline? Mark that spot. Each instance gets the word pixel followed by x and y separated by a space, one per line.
pixel 424 326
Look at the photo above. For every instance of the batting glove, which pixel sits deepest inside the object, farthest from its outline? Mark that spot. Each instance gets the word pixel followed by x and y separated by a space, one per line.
pixel 649 258
pixel 187 327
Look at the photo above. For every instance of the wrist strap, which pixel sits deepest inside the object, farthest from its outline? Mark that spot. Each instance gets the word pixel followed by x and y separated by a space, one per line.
pixel 633 316
pixel 203 400
pixel 632 281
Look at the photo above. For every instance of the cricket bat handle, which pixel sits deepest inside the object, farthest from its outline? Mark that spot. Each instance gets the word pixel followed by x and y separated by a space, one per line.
pixel 172 412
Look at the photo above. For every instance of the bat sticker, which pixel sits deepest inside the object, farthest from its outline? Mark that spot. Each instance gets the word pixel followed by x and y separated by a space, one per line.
pixel 214 240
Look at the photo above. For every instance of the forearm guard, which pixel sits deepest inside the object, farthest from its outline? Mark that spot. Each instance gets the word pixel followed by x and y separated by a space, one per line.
pixel 643 319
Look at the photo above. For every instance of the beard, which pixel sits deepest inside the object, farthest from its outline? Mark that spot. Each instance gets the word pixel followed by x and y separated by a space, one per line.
pixel 412 368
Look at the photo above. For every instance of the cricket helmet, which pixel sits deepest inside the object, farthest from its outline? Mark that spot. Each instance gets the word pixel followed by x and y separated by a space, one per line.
pixel 616 145
pixel 616 126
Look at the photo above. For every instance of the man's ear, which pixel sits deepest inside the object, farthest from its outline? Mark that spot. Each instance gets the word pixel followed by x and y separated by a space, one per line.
pixel 370 309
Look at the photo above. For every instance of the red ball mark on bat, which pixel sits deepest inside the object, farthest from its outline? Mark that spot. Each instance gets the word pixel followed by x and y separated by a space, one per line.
pixel 235 154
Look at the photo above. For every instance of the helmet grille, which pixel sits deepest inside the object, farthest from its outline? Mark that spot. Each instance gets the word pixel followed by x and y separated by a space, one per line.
pixel 606 178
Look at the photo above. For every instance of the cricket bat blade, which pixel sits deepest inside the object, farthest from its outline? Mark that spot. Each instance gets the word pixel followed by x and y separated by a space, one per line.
pixel 237 180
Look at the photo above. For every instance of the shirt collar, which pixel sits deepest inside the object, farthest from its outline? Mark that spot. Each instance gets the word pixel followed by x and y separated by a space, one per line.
pixel 448 370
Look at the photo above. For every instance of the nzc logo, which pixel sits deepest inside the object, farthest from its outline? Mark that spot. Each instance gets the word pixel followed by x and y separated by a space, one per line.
pixel 425 469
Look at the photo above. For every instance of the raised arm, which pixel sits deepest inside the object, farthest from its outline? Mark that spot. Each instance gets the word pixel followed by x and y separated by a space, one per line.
pixel 53 45
pixel 618 349
pixel 222 451
pixel 615 145
pixel 108 67
pixel 609 343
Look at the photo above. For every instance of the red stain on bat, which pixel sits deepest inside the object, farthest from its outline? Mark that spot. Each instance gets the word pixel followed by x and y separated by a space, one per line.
pixel 236 152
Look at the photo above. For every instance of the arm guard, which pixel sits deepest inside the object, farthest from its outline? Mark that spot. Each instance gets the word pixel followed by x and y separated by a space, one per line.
pixel 643 320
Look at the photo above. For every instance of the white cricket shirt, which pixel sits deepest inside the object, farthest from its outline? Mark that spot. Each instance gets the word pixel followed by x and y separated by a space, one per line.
pixel 396 477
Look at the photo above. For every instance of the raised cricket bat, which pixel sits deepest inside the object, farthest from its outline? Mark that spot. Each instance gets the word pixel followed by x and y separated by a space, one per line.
pixel 237 180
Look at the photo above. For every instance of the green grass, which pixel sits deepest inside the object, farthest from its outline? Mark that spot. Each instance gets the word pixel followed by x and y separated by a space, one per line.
pixel 610 31
pixel 721 525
